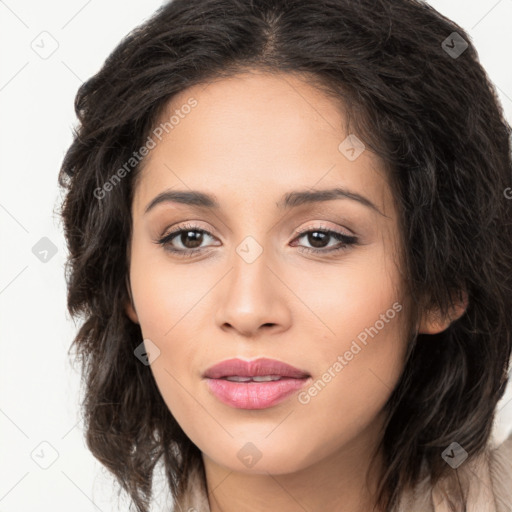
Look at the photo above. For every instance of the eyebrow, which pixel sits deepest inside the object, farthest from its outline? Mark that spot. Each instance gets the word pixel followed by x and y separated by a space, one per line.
pixel 288 201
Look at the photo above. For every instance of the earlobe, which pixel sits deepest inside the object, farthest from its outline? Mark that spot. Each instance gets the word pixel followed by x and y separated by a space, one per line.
pixel 130 307
pixel 130 311
pixel 432 322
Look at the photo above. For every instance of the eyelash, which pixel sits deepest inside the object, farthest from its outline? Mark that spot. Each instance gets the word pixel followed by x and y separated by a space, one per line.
pixel 345 240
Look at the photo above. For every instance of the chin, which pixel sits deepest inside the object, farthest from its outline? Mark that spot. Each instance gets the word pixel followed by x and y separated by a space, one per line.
pixel 260 457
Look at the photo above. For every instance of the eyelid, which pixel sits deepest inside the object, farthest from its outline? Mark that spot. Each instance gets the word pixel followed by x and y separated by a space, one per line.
pixel 322 227
pixel 184 225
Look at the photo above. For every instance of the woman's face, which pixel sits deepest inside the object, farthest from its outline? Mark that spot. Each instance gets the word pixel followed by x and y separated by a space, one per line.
pixel 263 148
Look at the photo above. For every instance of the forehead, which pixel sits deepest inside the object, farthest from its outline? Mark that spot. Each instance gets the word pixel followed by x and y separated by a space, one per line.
pixel 254 137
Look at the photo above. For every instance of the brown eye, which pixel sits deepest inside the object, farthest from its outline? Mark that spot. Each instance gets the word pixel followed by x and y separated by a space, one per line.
pixel 319 239
pixel 185 240
pixel 194 238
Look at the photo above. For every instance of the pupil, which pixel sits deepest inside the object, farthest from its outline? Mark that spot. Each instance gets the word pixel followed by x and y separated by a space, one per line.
pixel 316 239
pixel 196 235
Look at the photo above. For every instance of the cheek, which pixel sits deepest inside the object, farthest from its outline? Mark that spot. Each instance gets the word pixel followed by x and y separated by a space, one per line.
pixel 360 354
pixel 343 301
pixel 164 294
pixel 168 304
pixel 358 374
pixel 348 394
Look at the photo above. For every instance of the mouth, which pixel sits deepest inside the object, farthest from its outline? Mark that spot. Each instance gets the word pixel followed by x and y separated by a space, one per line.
pixel 256 384
pixel 262 378
pixel 271 369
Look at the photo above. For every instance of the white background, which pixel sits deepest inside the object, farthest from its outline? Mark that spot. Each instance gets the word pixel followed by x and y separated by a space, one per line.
pixel 39 388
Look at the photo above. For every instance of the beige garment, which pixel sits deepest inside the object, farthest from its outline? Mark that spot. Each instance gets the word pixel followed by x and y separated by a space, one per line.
pixel 486 480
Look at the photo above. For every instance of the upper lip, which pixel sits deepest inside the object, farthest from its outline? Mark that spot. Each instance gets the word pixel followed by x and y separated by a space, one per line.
pixel 254 368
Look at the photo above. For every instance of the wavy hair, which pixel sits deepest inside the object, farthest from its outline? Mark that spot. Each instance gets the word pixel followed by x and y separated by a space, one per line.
pixel 435 121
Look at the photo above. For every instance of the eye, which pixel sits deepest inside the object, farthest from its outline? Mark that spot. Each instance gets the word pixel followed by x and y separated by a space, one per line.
pixel 191 237
pixel 319 239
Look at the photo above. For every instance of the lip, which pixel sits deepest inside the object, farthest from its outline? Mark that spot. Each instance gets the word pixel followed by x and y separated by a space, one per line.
pixel 254 395
pixel 254 368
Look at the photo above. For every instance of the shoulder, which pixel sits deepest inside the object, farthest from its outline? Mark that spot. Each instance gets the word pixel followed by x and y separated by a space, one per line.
pixel 485 480
pixel 500 472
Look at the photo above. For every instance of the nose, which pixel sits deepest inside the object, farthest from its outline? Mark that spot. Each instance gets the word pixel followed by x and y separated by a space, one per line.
pixel 253 298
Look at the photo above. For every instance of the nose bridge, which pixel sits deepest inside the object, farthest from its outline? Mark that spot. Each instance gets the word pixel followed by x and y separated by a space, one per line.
pixel 251 295
pixel 251 277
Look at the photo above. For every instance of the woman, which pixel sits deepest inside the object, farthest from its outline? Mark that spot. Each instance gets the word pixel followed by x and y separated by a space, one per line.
pixel 291 242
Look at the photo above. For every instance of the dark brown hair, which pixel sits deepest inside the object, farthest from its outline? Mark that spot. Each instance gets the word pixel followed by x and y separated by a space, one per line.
pixel 434 119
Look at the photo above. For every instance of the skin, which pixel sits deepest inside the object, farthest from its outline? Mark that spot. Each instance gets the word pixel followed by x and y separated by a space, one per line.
pixel 250 140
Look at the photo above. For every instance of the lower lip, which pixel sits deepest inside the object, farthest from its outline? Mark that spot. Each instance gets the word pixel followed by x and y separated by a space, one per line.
pixel 254 395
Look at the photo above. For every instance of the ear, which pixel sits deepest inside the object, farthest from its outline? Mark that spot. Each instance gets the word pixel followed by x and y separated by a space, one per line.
pixel 130 306
pixel 432 322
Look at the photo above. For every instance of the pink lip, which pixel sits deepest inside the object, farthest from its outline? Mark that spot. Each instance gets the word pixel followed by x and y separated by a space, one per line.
pixel 254 395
